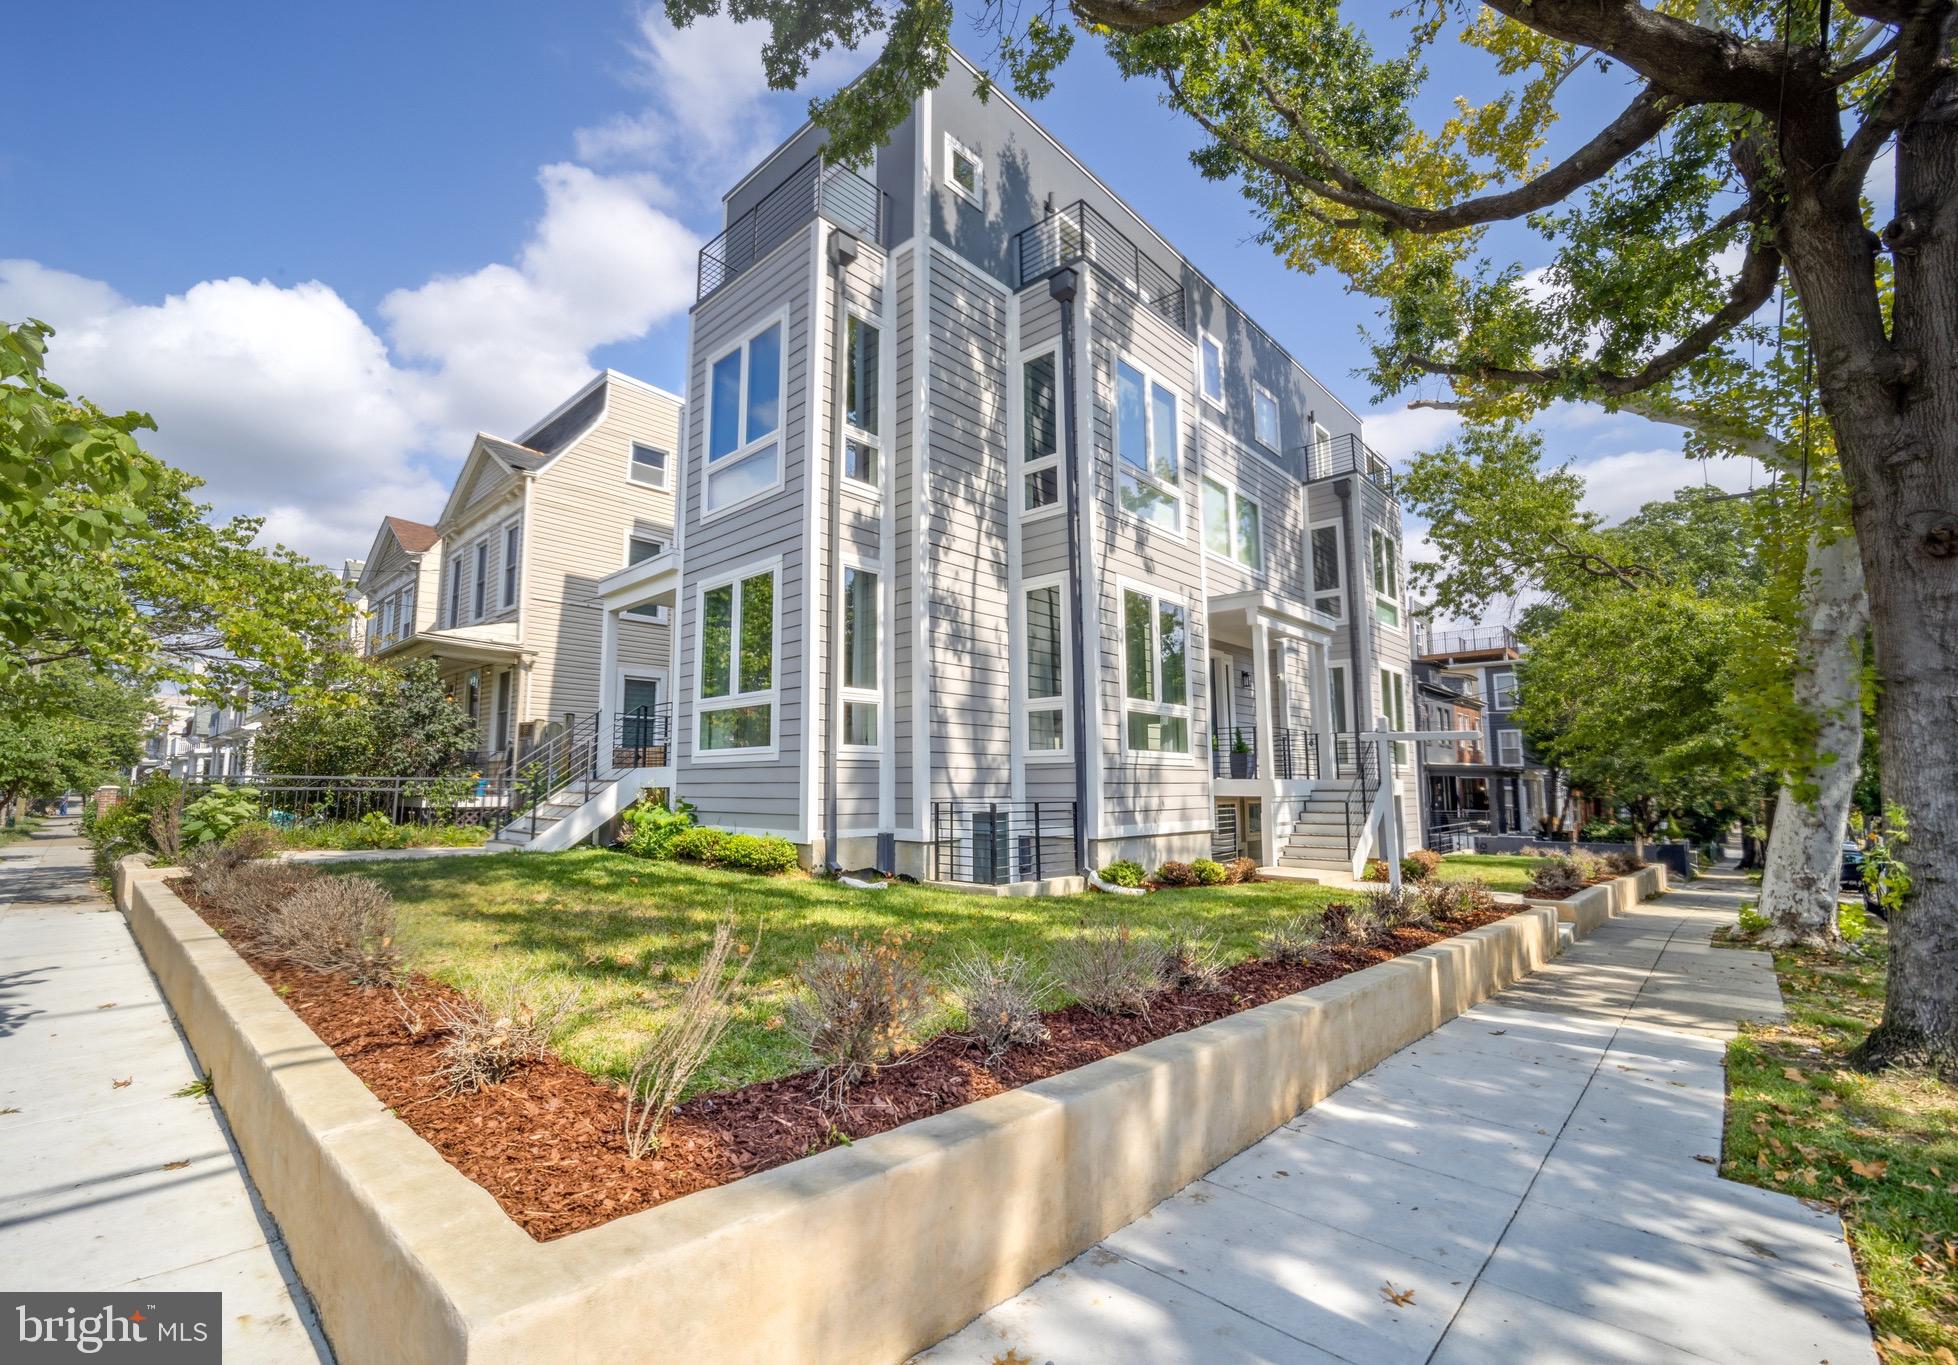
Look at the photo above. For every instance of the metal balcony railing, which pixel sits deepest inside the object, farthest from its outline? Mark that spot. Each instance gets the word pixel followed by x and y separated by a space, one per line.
pixel 1346 454
pixel 1079 233
pixel 996 843
pixel 643 737
pixel 1469 640
pixel 815 188
pixel 1234 751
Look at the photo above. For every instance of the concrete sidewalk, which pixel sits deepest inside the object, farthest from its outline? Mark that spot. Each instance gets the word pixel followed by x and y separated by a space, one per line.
pixel 107 1178
pixel 1531 1182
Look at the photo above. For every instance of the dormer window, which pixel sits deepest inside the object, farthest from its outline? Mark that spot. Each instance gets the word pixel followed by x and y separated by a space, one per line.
pixel 965 173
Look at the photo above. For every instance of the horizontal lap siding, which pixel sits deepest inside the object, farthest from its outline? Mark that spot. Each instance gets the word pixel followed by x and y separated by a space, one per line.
pixel 581 506
pixel 1143 792
pixel 903 465
pixel 966 526
pixel 482 522
pixel 763 795
pixel 1281 516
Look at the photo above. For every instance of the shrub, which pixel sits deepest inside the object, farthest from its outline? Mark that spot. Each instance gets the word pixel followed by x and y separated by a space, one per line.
pixel 1752 921
pixel 1001 997
pixel 651 828
pixel 125 827
pixel 256 893
pixel 861 1001
pixel 217 812
pixel 1289 942
pixel 212 866
pixel 1420 865
pixel 682 1042
pixel 343 925
pixel 489 1039
pixel 1346 925
pixel 1392 911
pixel 1242 870
pixel 1110 969
pixel 1210 872
pixel 1376 870
pixel 1851 921
pixel 1559 875
pixel 1623 864
pixel 1192 961
pixel 1177 874
pixel 699 845
pixel 1122 872
pixel 1450 901
pixel 758 853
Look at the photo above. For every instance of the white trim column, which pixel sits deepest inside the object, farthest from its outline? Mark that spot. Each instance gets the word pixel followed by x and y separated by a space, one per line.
pixel 1322 709
pixel 608 660
pixel 1261 705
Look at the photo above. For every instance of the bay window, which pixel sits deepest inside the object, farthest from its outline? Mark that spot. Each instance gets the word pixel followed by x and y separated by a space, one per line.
pixel 1147 439
pixel 1046 675
pixel 1155 653
pixel 744 419
pixel 736 645
pixel 861 645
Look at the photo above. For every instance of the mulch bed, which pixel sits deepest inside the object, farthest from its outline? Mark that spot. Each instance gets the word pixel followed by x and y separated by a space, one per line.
pixel 547 1144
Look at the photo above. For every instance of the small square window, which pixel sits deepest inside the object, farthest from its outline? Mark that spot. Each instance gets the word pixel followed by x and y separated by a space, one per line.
pixel 860 462
pixel 639 548
pixel 965 173
pixel 648 465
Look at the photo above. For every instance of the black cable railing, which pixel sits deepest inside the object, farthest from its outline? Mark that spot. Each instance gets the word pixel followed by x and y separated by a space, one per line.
pixel 815 188
pixel 1346 453
pixel 1454 831
pixel 1295 755
pixel 643 737
pixel 567 756
pixel 1365 756
pixel 1079 233
pixel 1234 751
pixel 997 843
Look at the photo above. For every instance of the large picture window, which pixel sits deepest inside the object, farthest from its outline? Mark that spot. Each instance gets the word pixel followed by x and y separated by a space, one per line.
pixel 860 655
pixel 1147 441
pixel 735 710
pixel 863 444
pixel 744 449
pixel 1155 655
pixel 1040 429
pixel 1231 525
pixel 1386 579
pixel 1046 677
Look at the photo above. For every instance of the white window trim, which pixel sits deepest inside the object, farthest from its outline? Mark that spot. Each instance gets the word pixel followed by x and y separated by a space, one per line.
pixel 1314 591
pixel 1506 756
pixel 1150 378
pixel 977 195
pixel 632 466
pixel 1157 596
pixel 851 484
pixel 1496 689
pixel 1231 498
pixel 1213 339
pixel 454 594
pixel 778 437
pixel 1063 703
pixel 479 563
pixel 1016 433
pixel 511 586
pixel 1320 437
pixel 771 696
pixel 659 614
pixel 1278 415
pixel 1391 599
pixel 873 696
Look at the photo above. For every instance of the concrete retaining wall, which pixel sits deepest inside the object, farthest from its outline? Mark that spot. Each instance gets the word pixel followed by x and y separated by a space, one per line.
pixel 1595 904
pixel 862 1253
pixel 1676 856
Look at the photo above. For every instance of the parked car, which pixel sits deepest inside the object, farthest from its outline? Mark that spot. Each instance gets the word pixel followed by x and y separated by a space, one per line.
pixel 1852 865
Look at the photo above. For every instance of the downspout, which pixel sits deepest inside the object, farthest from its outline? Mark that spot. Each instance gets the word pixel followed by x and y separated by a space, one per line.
pixel 1355 599
pixel 1062 287
pixel 842 251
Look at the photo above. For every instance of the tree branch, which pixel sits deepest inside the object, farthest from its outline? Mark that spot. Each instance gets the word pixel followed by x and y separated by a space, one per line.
pixel 1922 60
pixel 1753 287
pixel 1136 16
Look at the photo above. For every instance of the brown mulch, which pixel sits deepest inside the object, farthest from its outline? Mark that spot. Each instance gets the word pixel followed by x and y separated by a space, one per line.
pixel 546 1143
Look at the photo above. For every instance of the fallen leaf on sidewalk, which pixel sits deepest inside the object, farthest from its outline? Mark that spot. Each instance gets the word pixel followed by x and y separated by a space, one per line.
pixel 1400 1298
pixel 1709 1160
pixel 120 1084
pixel 9 1110
pixel 1497 1032
pixel 111 1005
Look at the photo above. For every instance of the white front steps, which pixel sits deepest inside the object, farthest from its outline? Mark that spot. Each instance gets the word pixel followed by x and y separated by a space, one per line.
pixel 579 809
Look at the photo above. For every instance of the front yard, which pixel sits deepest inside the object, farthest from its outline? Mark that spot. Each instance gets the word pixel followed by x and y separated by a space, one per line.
pixel 630 932
pixel 1882 1149
pixel 1497 871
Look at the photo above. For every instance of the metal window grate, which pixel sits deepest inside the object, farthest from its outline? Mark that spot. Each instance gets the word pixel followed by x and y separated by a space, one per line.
pixel 996 843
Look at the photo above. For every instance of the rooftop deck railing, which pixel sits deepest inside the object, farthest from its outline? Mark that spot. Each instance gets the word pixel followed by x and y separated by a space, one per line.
pixel 815 188
pixel 1468 640
pixel 1346 454
pixel 1080 233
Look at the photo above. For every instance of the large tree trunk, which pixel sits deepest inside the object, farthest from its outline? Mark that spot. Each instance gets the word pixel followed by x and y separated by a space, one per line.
pixel 1894 404
pixel 1804 865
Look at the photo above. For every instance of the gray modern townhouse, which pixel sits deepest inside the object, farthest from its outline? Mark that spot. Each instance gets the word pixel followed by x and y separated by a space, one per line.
pixel 1007 544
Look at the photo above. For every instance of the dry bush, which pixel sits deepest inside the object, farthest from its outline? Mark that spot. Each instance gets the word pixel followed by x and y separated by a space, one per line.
pixel 258 893
pixel 1561 875
pixel 1289 942
pixel 1347 925
pixel 1623 864
pixel 1192 961
pixel 1176 874
pixel 212 865
pixel 1111 969
pixel 1451 901
pixel 1394 911
pixel 1001 997
pixel 343 925
pixel 1241 870
pixel 680 1046
pixel 1420 864
pixel 860 1004
pixel 491 1037
pixel 167 829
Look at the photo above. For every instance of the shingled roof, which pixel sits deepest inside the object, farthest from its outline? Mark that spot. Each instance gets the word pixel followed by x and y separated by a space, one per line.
pixel 412 535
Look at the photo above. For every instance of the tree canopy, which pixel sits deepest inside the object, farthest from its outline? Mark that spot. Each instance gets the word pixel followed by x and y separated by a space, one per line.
pixel 65 728
pixel 374 720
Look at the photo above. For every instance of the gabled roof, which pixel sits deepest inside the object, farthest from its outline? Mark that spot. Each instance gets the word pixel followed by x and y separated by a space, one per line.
pixel 510 453
pixel 413 536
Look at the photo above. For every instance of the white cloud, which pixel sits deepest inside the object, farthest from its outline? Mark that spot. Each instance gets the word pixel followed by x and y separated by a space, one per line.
pixel 1405 432
pixel 1617 485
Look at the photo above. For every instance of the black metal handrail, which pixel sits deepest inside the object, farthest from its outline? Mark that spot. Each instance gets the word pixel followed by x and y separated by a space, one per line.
pixel 1295 754
pixel 815 188
pixel 1344 454
pixel 642 737
pixel 1234 751
pixel 1450 831
pixel 570 755
pixel 1365 755
pixel 996 843
pixel 1079 233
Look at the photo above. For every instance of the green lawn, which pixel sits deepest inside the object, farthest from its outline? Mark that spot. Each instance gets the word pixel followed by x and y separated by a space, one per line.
pixel 1882 1148
pixel 23 827
pixel 1499 871
pixel 630 932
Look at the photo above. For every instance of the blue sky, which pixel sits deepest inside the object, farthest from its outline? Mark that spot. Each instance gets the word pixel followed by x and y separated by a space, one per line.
pixel 323 245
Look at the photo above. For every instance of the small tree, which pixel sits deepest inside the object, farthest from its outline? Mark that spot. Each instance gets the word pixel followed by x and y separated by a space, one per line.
pixel 396 722
pixel 64 728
